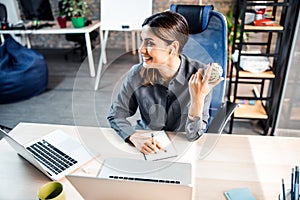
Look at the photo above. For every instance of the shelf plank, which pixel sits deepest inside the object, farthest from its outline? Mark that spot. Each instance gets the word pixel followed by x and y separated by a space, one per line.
pixel 245 74
pixel 263 28
pixel 265 74
pixel 255 111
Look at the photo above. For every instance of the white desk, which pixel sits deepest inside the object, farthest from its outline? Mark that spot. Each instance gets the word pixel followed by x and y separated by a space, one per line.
pixel 256 162
pixel 57 30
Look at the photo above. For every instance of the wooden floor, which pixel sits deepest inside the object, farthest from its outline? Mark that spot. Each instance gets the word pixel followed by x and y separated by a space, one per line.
pixel 70 98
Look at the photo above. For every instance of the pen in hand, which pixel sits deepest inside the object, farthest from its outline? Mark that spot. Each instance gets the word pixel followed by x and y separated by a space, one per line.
pixel 155 144
pixel 153 141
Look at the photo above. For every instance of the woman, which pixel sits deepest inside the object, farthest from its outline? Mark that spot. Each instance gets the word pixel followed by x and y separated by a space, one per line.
pixel 170 90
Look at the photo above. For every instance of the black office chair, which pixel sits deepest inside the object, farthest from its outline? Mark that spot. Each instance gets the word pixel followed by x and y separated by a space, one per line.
pixel 208 43
pixel 3 13
pixel 3 19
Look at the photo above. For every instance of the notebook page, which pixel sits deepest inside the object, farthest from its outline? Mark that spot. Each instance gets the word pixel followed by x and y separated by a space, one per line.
pixel 168 150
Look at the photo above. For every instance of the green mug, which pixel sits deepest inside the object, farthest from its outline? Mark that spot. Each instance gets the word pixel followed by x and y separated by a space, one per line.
pixel 52 191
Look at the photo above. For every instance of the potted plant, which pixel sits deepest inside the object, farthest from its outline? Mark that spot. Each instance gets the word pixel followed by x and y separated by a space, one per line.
pixel 62 20
pixel 75 9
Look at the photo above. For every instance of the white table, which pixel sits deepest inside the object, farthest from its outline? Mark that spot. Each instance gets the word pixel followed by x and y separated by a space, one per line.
pixel 256 162
pixel 57 30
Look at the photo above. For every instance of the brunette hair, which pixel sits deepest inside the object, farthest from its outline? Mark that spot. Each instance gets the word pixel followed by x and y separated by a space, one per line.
pixel 169 26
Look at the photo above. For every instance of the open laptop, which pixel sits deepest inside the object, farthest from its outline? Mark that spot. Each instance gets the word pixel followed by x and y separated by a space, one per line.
pixel 55 154
pixel 123 178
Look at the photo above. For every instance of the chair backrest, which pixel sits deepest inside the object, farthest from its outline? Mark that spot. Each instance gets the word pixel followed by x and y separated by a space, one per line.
pixel 207 43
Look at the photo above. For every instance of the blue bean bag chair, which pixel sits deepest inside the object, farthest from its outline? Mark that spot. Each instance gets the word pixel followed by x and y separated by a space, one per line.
pixel 23 72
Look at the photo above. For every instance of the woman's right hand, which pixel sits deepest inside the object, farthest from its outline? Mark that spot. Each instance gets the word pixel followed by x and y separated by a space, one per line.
pixel 199 87
pixel 144 144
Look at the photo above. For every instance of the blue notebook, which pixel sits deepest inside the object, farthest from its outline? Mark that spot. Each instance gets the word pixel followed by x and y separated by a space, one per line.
pixel 238 194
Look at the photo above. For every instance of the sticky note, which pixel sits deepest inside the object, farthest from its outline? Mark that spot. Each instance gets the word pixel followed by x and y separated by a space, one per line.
pixel 238 194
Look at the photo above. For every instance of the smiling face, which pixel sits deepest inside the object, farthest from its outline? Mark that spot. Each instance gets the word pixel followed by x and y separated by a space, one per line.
pixel 163 38
pixel 155 52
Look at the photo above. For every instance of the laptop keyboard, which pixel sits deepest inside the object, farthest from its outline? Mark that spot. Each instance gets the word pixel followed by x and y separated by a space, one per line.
pixel 145 179
pixel 54 159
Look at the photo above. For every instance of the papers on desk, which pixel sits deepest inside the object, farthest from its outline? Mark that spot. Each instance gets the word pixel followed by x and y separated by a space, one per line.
pixel 168 152
pixel 239 194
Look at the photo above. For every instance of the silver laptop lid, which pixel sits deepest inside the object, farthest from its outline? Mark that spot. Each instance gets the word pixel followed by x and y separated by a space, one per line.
pixel 147 171
pixel 62 141
pixel 20 149
pixel 107 189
